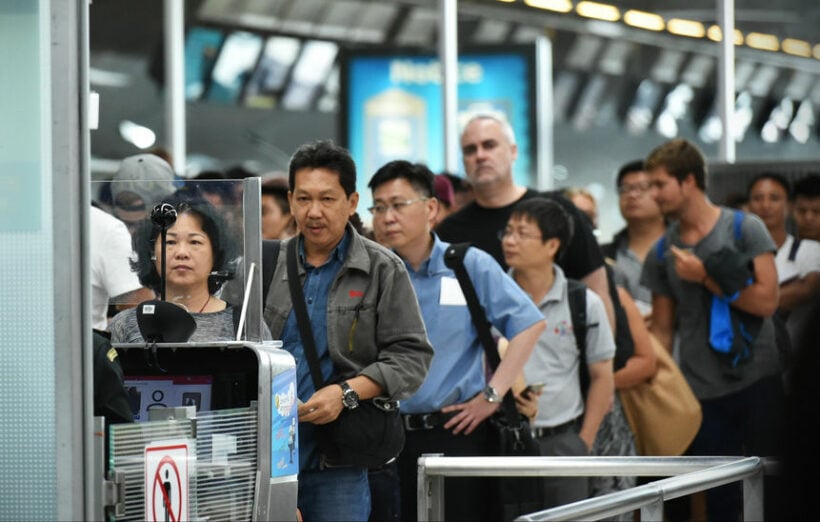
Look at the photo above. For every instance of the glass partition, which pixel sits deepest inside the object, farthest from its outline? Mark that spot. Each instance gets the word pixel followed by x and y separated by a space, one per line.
pixel 212 248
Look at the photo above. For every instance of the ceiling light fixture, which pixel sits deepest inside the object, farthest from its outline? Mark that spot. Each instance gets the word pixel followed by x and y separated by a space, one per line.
pixel 715 33
pixel 682 27
pixel 560 6
pixel 138 135
pixel 796 47
pixel 598 11
pixel 763 42
pixel 644 20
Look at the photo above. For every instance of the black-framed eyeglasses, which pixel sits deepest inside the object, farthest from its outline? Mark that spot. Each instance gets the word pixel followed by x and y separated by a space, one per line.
pixel 396 206
pixel 518 236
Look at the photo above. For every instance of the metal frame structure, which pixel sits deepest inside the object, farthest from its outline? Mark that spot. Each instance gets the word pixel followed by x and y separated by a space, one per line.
pixel 694 474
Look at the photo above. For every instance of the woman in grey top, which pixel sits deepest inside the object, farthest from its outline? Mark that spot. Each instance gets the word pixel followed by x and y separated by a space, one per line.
pixel 199 252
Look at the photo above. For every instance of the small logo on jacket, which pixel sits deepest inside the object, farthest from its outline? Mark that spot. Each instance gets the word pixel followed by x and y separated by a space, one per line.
pixel 355 293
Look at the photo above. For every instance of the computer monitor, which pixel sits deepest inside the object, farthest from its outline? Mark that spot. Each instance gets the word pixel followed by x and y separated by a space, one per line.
pixel 167 391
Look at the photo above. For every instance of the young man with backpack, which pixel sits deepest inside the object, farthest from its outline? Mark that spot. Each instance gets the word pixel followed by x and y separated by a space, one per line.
pixel 567 419
pixel 714 282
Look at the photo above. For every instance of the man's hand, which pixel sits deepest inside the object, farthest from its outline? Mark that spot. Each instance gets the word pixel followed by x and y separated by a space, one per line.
pixel 323 407
pixel 688 266
pixel 527 404
pixel 470 414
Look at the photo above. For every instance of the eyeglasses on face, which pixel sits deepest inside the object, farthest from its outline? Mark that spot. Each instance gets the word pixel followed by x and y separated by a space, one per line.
pixel 518 236
pixel 639 188
pixel 396 206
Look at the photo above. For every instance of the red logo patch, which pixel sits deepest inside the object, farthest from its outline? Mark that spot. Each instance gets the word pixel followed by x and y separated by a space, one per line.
pixel 355 293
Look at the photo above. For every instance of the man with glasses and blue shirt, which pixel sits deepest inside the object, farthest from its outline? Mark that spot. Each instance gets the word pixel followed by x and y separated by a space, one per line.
pixel 446 415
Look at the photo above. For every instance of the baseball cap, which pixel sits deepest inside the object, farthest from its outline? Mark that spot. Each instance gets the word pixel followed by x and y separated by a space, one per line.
pixel 443 189
pixel 146 175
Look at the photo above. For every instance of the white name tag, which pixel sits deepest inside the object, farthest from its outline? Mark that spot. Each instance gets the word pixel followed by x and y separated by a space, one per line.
pixel 451 293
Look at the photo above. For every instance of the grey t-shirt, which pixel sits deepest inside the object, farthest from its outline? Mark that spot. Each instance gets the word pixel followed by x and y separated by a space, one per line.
pixel 216 326
pixel 699 362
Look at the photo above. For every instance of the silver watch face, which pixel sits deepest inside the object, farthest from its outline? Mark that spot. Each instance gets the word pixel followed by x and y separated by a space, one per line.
pixel 491 395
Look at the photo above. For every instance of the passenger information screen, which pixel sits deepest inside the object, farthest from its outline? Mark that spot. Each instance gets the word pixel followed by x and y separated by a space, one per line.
pixel 167 391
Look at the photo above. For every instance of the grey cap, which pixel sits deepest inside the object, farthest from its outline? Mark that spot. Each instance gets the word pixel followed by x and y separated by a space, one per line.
pixel 147 175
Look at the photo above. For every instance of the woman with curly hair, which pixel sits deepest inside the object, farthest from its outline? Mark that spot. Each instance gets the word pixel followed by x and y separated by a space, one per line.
pixel 200 256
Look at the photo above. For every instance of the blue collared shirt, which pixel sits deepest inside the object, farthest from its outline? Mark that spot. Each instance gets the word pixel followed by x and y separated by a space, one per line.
pixel 316 290
pixel 456 373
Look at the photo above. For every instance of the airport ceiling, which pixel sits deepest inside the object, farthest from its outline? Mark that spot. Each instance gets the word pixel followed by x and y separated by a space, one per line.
pixel 579 43
pixel 607 59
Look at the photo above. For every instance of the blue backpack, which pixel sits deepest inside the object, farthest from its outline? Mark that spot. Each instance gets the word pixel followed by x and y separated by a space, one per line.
pixel 731 331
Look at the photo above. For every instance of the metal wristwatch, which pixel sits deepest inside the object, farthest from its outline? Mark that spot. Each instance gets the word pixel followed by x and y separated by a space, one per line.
pixel 490 394
pixel 350 399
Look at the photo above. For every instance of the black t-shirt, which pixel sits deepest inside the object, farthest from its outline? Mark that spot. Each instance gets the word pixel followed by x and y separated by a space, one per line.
pixel 480 226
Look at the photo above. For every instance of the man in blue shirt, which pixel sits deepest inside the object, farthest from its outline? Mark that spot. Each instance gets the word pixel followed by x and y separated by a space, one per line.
pixel 370 338
pixel 447 414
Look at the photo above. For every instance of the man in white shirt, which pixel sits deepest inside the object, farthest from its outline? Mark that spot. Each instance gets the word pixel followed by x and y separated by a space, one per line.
pixel 112 280
pixel 797 260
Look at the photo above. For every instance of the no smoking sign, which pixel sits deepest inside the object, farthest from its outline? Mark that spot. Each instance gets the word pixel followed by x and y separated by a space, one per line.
pixel 166 480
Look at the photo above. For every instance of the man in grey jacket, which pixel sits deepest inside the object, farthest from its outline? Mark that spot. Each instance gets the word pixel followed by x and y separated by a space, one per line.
pixel 365 319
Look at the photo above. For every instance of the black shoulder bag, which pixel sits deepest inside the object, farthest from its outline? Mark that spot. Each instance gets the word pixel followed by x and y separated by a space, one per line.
pixel 510 428
pixel 369 435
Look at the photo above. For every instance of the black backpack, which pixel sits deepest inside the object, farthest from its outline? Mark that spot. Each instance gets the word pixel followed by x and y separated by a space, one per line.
pixel 270 254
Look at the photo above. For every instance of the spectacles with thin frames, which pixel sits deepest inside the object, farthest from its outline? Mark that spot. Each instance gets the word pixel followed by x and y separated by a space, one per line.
pixel 396 206
pixel 518 236
pixel 639 188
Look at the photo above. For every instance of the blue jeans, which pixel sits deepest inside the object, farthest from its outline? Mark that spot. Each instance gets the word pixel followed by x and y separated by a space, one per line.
pixel 743 423
pixel 334 494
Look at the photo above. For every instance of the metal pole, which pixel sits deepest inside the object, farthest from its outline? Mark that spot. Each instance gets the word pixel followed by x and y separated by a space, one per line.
pixel 543 113
pixel 174 25
pixel 753 497
pixel 726 79
pixel 448 56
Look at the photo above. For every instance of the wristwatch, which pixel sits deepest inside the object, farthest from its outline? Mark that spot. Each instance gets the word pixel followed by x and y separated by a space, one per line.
pixel 350 399
pixel 490 394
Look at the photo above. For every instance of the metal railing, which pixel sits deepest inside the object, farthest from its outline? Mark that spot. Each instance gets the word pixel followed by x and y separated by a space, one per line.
pixel 693 474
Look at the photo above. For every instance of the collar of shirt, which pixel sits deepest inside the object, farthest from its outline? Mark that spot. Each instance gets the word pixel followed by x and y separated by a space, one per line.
pixel 336 255
pixel 558 290
pixel 434 264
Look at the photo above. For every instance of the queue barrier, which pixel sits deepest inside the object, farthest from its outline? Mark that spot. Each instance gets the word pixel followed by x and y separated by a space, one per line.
pixel 692 474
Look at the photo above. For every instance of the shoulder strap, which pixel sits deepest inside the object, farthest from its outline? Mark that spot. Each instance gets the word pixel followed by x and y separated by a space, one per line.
pixel 793 250
pixel 660 247
pixel 577 297
pixel 738 224
pixel 454 260
pixel 302 319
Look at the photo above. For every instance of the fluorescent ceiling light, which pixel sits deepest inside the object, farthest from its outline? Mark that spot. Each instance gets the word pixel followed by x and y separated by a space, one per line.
pixel 682 27
pixel 140 136
pixel 800 128
pixel 715 33
pixel 560 6
pixel 105 78
pixel 606 12
pixel 796 47
pixel 763 42
pixel 644 20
